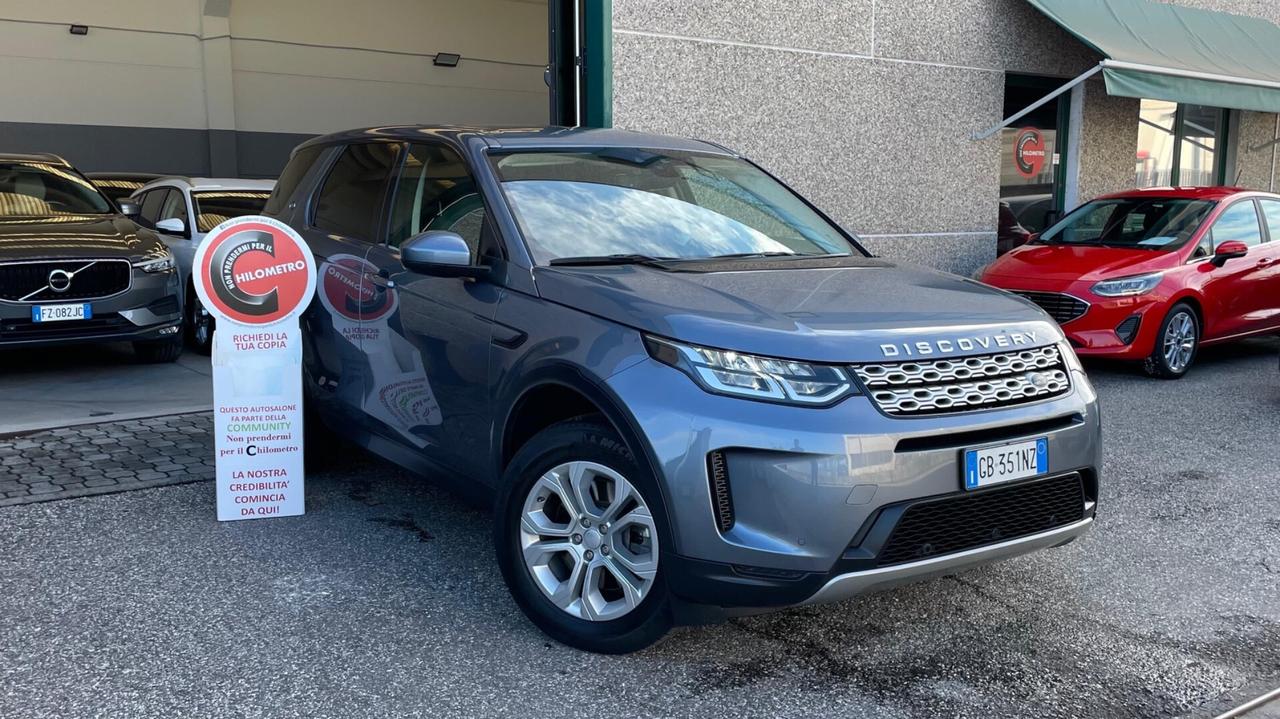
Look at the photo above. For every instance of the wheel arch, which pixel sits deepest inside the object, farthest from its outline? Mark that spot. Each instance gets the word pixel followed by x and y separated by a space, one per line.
pixel 1197 306
pixel 581 395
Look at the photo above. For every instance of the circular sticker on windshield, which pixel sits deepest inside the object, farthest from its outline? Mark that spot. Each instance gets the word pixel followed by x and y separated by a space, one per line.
pixel 254 271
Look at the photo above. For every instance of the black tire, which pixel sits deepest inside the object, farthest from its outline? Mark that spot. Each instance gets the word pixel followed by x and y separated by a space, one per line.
pixel 199 325
pixel 158 351
pixel 592 441
pixel 1158 364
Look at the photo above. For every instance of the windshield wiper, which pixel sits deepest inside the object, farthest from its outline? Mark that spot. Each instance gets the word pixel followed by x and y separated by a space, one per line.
pixel 620 259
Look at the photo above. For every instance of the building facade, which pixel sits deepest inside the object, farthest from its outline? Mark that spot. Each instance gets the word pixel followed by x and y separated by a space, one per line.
pixel 878 110
pixel 869 107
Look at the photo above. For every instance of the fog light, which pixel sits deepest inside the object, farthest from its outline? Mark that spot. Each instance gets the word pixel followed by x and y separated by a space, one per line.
pixel 169 330
pixel 1128 329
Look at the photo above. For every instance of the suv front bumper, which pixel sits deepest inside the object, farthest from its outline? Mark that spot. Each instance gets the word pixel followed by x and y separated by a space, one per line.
pixel 816 492
pixel 150 309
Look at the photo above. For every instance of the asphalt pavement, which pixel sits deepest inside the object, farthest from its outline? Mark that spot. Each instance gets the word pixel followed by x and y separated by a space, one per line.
pixel 384 601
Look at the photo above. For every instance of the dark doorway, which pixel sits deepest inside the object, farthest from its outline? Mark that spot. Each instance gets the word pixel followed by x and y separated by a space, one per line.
pixel 1031 152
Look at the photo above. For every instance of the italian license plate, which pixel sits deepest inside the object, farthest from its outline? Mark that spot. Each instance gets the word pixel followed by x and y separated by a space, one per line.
pixel 1005 463
pixel 58 313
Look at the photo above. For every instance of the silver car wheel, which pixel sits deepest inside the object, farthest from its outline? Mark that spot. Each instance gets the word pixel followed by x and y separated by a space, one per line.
pixel 589 541
pixel 1180 341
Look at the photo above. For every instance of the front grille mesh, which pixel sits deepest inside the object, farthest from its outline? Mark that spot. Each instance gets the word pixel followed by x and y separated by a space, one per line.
pixel 967 383
pixel 954 523
pixel 1062 308
pixel 94 279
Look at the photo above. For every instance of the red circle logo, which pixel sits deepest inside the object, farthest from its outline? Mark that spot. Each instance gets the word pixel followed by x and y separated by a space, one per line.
pixel 345 292
pixel 1029 152
pixel 254 271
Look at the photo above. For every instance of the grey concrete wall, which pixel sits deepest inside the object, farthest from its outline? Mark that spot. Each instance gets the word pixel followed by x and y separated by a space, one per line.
pixel 867 106
pixel 1258 153
pixel 1109 141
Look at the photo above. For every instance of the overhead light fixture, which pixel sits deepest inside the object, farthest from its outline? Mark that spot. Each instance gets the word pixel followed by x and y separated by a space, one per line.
pixel 79 29
pixel 446 59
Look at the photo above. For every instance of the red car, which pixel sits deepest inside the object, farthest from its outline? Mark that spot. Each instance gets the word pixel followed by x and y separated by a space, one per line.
pixel 1153 274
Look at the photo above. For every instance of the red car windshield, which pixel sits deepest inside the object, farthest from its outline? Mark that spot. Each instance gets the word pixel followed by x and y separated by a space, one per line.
pixel 1151 223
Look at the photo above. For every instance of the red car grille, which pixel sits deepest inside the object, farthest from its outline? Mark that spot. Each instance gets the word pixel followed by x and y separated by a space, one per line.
pixel 1062 308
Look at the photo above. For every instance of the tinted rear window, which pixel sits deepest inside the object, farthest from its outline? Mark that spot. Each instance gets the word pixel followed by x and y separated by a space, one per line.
pixel 351 199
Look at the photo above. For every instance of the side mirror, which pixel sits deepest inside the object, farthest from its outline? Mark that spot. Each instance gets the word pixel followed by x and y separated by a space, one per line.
pixel 440 254
pixel 1229 250
pixel 129 208
pixel 172 226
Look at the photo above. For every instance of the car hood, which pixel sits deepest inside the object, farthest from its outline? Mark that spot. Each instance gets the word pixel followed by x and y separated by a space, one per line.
pixel 832 314
pixel 73 236
pixel 1064 262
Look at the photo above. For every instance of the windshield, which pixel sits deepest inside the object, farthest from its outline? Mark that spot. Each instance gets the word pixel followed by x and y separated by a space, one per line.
pixel 214 208
pixel 663 204
pixel 1139 223
pixel 39 190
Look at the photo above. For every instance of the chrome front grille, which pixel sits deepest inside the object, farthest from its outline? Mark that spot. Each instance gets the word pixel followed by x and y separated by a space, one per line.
pixel 86 279
pixel 963 384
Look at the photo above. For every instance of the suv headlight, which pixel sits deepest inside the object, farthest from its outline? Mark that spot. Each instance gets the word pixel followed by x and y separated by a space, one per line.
pixel 156 264
pixel 763 378
pixel 1128 286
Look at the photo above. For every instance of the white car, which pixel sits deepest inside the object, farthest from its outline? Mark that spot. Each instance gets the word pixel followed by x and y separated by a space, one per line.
pixel 183 210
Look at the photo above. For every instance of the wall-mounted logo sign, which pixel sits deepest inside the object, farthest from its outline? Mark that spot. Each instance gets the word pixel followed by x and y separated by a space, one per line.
pixel 256 276
pixel 1029 152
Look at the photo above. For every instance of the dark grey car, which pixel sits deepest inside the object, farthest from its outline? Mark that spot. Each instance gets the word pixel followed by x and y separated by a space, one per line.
pixel 686 392
pixel 74 269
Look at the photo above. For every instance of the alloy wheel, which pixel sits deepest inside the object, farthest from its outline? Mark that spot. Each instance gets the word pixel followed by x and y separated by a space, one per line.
pixel 1180 341
pixel 589 542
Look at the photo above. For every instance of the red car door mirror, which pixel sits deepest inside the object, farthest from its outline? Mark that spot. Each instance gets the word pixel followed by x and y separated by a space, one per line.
pixel 1228 250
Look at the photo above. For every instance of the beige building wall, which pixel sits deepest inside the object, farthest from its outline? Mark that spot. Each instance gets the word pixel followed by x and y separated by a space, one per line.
pixel 199 86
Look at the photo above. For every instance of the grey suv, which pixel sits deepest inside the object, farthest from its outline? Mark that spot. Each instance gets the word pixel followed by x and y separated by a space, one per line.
pixel 686 391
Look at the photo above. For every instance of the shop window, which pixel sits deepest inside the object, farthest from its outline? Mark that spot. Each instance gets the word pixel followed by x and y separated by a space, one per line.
pixel 1180 145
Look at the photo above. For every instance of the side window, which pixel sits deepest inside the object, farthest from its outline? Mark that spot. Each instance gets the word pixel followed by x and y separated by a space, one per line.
pixel 292 175
pixel 1238 223
pixel 350 202
pixel 1271 210
pixel 151 206
pixel 175 205
pixel 435 192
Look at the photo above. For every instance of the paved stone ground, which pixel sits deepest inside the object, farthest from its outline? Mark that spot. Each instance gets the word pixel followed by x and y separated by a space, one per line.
pixel 106 458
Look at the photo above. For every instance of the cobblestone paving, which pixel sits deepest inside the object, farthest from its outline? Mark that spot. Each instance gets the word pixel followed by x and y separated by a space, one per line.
pixel 105 458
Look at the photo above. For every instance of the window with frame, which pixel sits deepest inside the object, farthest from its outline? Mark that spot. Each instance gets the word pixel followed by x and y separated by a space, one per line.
pixel 1237 223
pixel 150 202
pixel 350 203
pixel 175 205
pixel 436 192
pixel 1180 145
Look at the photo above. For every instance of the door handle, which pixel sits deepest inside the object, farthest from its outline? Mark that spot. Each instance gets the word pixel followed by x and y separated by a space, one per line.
pixel 1265 261
pixel 379 281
